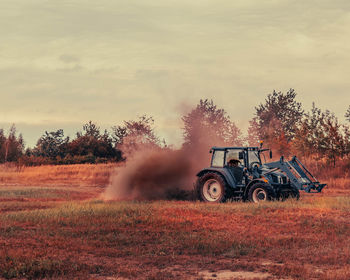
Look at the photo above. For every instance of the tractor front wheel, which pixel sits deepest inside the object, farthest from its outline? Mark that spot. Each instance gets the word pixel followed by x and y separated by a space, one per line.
pixel 211 187
pixel 260 192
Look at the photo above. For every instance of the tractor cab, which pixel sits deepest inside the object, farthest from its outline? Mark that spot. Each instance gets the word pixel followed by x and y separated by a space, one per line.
pixel 247 157
pixel 237 161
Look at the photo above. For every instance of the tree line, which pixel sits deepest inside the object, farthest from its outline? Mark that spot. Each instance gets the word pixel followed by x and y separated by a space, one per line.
pixel 287 128
pixel 280 121
pixel 89 146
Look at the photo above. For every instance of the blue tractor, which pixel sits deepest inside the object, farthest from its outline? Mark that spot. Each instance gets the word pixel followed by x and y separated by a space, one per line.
pixel 238 173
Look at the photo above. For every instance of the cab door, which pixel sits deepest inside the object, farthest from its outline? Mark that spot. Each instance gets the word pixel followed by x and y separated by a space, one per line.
pixel 236 172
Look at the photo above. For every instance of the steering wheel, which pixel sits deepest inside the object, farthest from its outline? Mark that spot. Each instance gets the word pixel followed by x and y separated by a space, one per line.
pixel 254 164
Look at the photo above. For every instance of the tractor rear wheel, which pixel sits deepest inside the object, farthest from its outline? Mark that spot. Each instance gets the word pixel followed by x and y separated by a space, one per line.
pixel 211 187
pixel 260 192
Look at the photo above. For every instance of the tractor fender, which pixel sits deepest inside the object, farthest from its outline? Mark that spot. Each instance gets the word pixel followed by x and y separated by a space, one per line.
pixel 221 171
pixel 251 183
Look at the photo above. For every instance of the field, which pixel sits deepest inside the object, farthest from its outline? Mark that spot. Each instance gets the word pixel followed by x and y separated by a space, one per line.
pixel 54 225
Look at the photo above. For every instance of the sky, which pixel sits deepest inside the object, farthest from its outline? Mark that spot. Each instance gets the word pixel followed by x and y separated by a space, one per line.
pixel 64 63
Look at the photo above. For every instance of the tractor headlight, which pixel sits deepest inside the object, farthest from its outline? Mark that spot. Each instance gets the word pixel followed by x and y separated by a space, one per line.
pixel 279 179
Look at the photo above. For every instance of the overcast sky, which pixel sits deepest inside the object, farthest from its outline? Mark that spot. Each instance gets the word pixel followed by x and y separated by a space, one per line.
pixel 66 62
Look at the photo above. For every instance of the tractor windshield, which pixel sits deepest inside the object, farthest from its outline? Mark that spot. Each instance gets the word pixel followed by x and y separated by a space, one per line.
pixel 253 156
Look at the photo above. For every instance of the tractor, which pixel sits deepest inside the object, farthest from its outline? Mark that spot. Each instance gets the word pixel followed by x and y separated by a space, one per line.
pixel 238 173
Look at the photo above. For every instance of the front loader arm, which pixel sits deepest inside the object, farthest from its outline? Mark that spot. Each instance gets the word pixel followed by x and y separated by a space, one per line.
pixel 297 174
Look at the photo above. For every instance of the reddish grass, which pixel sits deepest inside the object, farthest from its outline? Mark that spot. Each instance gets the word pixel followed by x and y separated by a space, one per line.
pixel 75 174
pixel 60 230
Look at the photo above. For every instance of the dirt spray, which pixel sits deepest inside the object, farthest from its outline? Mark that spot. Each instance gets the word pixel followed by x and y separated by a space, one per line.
pixel 153 174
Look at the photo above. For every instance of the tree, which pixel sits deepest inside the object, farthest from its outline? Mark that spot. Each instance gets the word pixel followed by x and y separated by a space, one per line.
pixel 135 134
pixel 276 120
pixel 52 144
pixel 333 143
pixel 207 125
pixel 346 140
pixel 309 132
pixel 11 146
pixel 320 134
pixel 91 129
pixel 347 114
pixel 92 143
pixel 253 133
pixel 3 142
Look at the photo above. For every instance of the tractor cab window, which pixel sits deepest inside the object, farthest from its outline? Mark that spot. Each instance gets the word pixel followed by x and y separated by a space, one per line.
pixel 254 159
pixel 235 155
pixel 253 156
pixel 218 159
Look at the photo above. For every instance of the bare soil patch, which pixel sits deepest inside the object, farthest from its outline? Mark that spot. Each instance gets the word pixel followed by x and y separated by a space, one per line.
pixel 228 275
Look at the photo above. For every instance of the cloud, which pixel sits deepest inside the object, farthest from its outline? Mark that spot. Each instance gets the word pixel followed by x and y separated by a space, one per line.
pixel 73 68
pixel 67 58
pixel 111 60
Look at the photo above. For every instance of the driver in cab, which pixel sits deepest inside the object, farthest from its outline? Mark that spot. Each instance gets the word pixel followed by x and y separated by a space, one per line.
pixel 235 165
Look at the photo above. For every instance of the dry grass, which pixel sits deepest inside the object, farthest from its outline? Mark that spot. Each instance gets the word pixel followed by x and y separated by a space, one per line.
pixel 76 174
pixel 58 228
pixel 338 183
pixel 306 239
pixel 299 240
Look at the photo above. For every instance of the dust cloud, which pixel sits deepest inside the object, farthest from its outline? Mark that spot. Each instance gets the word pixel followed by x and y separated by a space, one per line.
pixel 154 173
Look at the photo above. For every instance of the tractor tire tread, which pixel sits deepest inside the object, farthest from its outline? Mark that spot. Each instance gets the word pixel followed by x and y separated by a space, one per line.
pixel 271 194
pixel 211 175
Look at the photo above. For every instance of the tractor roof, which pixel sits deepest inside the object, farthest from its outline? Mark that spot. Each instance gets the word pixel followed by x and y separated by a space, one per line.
pixel 237 148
